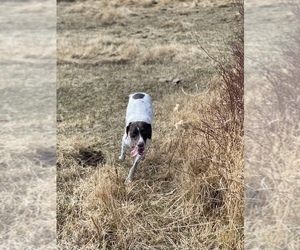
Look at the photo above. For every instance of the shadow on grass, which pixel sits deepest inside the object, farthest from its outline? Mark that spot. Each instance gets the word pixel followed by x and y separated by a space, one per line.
pixel 88 157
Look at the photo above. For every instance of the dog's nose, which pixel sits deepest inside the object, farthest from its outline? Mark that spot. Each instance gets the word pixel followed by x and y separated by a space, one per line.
pixel 141 144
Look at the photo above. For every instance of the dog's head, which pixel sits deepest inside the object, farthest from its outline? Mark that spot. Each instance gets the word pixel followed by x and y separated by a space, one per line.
pixel 138 133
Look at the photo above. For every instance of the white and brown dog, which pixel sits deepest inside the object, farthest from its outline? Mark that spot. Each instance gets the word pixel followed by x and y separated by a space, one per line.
pixel 138 129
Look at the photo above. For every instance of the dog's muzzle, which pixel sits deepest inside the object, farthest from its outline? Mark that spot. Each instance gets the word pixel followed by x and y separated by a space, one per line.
pixel 138 149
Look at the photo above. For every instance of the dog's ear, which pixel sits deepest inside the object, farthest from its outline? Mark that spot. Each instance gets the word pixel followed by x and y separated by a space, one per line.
pixel 146 130
pixel 149 131
pixel 127 128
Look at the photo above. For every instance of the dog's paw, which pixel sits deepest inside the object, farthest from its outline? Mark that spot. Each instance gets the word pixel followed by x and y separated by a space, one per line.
pixel 121 157
pixel 128 180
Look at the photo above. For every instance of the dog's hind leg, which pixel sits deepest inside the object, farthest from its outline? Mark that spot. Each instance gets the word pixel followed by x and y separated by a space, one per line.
pixel 133 168
pixel 123 149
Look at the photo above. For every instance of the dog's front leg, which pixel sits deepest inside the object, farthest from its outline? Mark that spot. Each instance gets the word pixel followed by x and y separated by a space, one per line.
pixel 123 149
pixel 138 158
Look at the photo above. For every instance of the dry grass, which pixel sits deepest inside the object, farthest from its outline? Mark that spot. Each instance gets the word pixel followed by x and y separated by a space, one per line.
pixel 196 185
pixel 272 155
pixel 107 49
pixel 188 192
pixel 29 195
pixel 27 133
pixel 148 3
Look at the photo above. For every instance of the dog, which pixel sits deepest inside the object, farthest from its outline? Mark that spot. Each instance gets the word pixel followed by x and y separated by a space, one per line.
pixel 138 129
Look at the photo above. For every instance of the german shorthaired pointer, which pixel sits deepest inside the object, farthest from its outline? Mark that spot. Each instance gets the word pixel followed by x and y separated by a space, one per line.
pixel 138 129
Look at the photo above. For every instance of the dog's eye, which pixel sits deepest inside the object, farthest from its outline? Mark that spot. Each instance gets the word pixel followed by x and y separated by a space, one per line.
pixel 134 133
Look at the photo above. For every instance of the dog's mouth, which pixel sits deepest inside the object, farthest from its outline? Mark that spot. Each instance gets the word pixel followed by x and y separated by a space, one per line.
pixel 137 150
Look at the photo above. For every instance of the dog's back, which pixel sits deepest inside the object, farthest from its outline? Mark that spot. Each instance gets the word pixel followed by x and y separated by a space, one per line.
pixel 139 108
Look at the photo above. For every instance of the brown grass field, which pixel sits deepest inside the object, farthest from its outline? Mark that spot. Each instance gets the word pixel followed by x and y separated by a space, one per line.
pixel 27 125
pixel 272 114
pixel 188 192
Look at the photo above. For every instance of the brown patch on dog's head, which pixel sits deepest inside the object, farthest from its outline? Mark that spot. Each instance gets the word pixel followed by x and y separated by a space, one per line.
pixel 135 128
